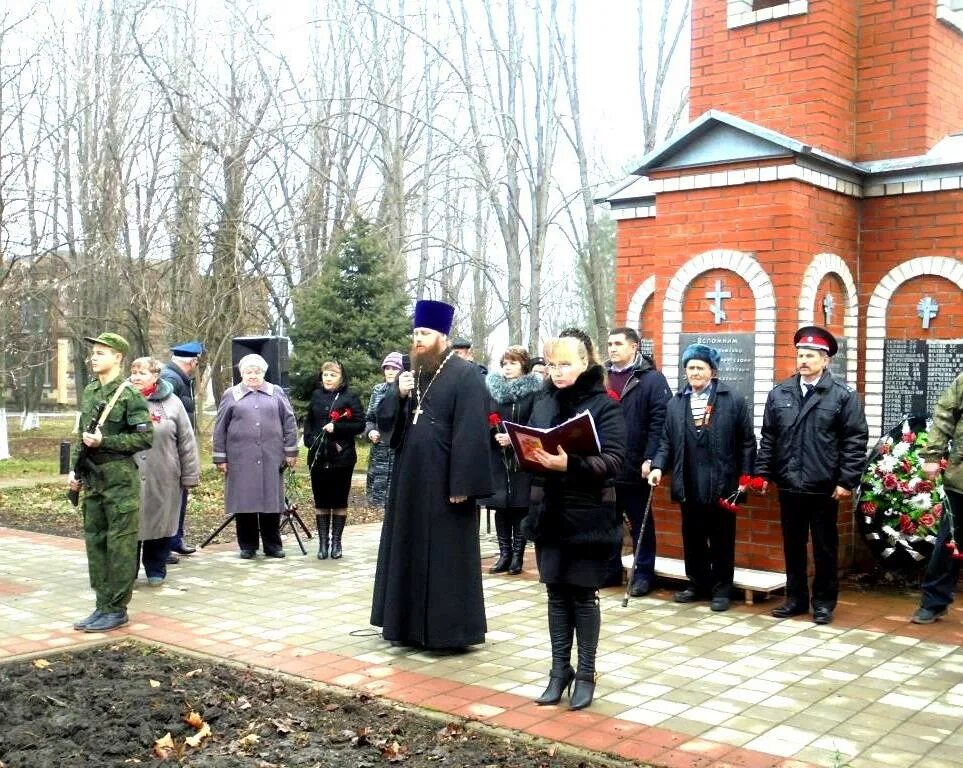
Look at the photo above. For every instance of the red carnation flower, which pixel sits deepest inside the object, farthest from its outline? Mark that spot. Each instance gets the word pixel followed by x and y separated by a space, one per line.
pixel 347 413
pixel 334 416
pixel 906 525
pixel 924 486
pixel 613 394
pixel 884 449
pixel 727 505
pixel 745 480
pixel 937 511
pixel 909 437
pixel 494 420
pixel 757 483
pixel 927 520
pixel 890 483
pixel 868 508
pixel 906 466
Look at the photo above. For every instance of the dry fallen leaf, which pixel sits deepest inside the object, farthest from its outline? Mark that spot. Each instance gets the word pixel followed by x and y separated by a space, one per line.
pixel 243 703
pixel 194 720
pixel 41 663
pixel 154 683
pixel 552 750
pixel 282 726
pixel 251 738
pixel 394 752
pixel 193 672
pixel 197 738
pixel 164 746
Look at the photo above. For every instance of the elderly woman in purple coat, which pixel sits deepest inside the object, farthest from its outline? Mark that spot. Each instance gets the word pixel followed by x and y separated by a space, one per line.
pixel 255 438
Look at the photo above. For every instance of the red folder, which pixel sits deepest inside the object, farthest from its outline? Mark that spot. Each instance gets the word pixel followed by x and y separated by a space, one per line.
pixel 577 436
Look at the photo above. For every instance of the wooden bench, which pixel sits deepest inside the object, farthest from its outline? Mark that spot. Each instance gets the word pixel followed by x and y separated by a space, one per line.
pixel 747 579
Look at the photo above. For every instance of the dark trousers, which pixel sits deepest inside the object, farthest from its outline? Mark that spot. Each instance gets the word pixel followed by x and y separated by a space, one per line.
pixel 153 554
pixel 709 544
pixel 177 540
pixel 804 515
pixel 630 500
pixel 250 524
pixel 943 570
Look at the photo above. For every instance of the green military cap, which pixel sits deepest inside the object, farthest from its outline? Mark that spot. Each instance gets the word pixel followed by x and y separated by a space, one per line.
pixel 112 340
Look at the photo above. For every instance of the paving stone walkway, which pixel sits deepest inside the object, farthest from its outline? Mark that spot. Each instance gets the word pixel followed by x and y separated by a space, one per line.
pixel 679 685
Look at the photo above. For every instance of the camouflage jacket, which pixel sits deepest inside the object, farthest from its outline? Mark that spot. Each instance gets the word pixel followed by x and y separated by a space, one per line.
pixel 946 435
pixel 128 428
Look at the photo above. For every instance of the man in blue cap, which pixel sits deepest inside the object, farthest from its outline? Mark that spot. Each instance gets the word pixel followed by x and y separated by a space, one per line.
pixel 428 587
pixel 179 373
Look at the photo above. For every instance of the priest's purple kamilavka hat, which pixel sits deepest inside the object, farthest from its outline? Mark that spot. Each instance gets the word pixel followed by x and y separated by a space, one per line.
pixel 436 315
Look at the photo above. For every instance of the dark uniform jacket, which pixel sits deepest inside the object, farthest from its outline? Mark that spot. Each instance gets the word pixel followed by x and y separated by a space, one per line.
pixel 183 386
pixel 814 446
pixel 643 402
pixel 731 443
pixel 578 506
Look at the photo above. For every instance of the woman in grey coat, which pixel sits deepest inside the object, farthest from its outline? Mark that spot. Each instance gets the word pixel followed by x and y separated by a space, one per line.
pixel 378 430
pixel 255 438
pixel 169 465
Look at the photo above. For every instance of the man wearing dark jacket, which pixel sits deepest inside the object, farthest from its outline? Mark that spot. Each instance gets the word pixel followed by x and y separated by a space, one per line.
pixel 179 372
pixel 643 392
pixel 813 447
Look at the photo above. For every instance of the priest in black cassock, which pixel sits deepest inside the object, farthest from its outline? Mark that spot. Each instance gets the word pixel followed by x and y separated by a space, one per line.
pixel 428 584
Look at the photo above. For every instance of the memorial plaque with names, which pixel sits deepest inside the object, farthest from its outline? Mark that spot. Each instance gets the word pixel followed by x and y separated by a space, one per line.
pixel 839 363
pixel 647 346
pixel 738 351
pixel 915 374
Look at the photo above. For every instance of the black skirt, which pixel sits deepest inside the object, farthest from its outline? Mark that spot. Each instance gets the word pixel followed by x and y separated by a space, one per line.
pixel 575 565
pixel 331 486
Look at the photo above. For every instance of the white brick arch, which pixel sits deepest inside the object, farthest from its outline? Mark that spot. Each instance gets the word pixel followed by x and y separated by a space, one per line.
pixel 932 266
pixel 642 294
pixel 830 264
pixel 747 268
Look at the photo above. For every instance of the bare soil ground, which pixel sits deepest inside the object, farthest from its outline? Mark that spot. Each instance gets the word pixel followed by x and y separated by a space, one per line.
pixel 129 703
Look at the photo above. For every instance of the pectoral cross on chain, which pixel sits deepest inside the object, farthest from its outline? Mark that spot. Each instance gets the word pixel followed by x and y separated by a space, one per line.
pixel 418 411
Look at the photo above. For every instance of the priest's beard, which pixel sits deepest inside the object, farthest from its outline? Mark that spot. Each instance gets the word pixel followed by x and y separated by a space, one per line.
pixel 427 359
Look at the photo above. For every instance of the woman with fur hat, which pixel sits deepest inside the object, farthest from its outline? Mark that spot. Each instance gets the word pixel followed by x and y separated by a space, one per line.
pixel 333 420
pixel 707 443
pixel 513 389
pixel 378 431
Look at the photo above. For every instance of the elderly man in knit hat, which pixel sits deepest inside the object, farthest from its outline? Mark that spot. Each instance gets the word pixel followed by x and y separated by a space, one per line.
pixel 428 589
pixel 108 475
pixel 708 443
pixel 813 447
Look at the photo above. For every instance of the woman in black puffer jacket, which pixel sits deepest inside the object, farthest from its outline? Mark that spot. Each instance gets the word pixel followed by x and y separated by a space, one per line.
pixel 335 417
pixel 513 390
pixel 572 517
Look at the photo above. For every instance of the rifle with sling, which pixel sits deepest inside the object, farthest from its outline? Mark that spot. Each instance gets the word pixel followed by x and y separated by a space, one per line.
pixel 84 463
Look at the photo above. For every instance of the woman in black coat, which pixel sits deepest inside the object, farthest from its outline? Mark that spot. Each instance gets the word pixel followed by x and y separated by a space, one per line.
pixel 513 390
pixel 335 417
pixel 572 517
pixel 708 443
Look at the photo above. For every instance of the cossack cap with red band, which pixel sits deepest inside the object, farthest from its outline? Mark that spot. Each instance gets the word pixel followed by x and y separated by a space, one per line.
pixel 814 337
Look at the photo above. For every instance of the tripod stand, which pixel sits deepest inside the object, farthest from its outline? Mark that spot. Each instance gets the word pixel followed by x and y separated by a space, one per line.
pixel 289 517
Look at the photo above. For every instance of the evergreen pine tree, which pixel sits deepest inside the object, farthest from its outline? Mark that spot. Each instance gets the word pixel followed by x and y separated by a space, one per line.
pixel 355 312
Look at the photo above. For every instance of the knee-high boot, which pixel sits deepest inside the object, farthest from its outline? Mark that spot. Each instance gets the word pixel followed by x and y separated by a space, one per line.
pixel 588 622
pixel 561 628
pixel 337 528
pixel 503 532
pixel 324 530
pixel 518 546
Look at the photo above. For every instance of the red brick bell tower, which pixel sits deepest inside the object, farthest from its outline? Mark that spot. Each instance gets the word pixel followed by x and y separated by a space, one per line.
pixel 820 180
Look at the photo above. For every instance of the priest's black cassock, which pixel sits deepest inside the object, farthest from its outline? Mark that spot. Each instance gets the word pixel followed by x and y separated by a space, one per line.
pixel 428 584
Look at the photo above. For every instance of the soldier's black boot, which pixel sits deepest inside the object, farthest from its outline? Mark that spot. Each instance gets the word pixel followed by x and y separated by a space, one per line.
pixel 324 530
pixel 561 627
pixel 588 622
pixel 503 532
pixel 337 528
pixel 518 548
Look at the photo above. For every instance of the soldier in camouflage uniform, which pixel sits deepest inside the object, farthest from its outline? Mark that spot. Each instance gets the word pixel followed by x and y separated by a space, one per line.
pixel 111 484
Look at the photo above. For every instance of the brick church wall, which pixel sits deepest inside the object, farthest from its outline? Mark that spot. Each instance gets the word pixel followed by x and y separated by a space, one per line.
pixel 796 76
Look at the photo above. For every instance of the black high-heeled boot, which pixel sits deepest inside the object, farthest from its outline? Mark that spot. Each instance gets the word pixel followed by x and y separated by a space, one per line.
pixel 324 530
pixel 561 628
pixel 518 548
pixel 588 622
pixel 337 528
pixel 503 532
